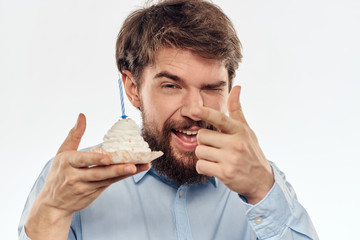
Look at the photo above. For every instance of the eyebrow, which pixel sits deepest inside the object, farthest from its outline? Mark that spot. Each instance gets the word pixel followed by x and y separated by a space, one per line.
pixel 178 79
pixel 168 75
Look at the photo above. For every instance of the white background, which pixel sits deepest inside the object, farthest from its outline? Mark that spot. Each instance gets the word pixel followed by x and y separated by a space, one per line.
pixel 300 79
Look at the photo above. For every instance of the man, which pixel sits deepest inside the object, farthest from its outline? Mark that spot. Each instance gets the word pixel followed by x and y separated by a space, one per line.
pixel 178 60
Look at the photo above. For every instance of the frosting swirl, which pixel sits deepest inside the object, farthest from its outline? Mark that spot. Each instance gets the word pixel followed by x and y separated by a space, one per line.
pixel 125 135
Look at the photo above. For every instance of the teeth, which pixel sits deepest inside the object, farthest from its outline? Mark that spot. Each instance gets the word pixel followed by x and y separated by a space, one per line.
pixel 188 132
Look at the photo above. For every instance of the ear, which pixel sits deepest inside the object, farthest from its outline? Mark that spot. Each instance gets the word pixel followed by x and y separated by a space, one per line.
pixel 131 89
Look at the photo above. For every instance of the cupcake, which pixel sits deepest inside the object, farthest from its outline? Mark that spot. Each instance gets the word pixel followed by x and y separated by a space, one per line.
pixel 123 143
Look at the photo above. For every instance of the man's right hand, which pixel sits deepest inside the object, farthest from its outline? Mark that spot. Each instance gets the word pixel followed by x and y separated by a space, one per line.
pixel 74 181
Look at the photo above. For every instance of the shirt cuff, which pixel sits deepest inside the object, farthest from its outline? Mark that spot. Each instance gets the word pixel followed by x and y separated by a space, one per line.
pixel 269 217
pixel 23 235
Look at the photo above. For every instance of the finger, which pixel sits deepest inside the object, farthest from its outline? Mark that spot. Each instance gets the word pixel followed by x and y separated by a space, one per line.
pixel 106 172
pixel 215 118
pixel 73 139
pixel 85 159
pixel 112 173
pixel 211 138
pixel 208 153
pixel 142 167
pixel 207 168
pixel 234 106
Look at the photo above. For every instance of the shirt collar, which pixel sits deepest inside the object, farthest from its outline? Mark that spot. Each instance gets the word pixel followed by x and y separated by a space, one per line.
pixel 140 176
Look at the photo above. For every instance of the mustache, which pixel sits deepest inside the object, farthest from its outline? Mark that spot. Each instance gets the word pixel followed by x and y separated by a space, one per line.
pixel 187 124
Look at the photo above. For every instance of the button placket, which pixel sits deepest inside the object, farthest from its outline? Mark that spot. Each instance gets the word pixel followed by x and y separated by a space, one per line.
pixel 181 217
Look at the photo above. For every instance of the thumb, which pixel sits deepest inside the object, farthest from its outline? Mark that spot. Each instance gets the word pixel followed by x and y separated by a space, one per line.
pixel 73 139
pixel 234 106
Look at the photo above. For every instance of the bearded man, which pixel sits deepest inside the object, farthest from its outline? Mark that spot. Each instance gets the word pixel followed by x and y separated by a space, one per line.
pixel 178 60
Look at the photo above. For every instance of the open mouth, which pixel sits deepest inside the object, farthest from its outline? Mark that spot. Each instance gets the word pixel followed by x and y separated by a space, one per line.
pixel 185 139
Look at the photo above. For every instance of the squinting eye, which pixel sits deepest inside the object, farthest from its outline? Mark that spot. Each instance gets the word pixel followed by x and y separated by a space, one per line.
pixel 219 90
pixel 169 86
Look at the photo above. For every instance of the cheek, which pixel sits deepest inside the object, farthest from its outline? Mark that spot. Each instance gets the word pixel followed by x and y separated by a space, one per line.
pixel 159 108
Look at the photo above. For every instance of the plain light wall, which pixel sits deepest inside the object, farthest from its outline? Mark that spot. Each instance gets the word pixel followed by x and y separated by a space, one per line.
pixel 299 78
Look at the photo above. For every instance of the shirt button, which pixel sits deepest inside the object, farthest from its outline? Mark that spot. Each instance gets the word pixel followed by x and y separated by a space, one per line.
pixel 180 193
pixel 258 220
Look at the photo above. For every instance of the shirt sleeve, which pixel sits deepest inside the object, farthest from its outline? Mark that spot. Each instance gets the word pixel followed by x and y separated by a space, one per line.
pixel 279 215
pixel 30 201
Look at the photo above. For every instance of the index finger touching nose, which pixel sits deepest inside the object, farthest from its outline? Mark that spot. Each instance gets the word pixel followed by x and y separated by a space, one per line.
pixel 215 118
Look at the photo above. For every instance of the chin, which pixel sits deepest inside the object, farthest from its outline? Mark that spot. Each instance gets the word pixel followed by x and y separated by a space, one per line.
pixel 186 158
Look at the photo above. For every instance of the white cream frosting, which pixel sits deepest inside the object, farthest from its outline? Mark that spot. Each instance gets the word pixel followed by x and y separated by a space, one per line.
pixel 125 135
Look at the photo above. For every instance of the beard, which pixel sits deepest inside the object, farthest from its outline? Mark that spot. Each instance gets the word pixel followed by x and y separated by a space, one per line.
pixel 179 167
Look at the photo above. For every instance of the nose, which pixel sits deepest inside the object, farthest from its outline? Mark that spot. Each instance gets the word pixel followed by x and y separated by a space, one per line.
pixel 191 100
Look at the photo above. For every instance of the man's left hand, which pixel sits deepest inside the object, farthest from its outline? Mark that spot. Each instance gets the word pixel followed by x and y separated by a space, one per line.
pixel 232 154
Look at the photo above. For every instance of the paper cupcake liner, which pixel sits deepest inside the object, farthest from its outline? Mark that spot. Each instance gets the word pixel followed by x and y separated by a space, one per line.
pixel 128 156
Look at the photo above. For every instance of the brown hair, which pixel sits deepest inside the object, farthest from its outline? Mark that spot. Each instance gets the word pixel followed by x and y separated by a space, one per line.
pixel 195 25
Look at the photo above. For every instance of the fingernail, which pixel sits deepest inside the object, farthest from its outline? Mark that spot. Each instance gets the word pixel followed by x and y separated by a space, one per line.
pixel 143 167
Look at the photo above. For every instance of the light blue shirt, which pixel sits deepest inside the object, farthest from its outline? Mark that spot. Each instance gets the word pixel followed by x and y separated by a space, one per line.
pixel 147 206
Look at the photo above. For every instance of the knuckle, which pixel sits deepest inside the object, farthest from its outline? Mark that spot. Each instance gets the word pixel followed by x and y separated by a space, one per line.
pixel 67 159
pixel 240 147
pixel 223 121
pixel 96 176
pixel 79 190
pixel 81 162
pixel 232 157
pixel 70 181
pixel 223 118
pixel 62 160
pixel 229 173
